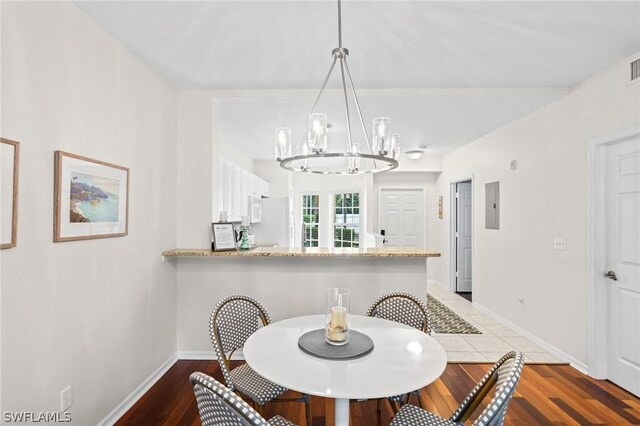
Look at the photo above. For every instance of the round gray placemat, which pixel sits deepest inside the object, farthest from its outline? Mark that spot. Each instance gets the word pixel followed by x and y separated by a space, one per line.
pixel 314 344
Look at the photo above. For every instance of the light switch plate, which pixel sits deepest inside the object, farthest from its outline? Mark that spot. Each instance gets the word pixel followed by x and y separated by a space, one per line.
pixel 560 243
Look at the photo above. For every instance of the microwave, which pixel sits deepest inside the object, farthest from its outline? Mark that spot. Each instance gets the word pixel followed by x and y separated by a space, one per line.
pixel 255 209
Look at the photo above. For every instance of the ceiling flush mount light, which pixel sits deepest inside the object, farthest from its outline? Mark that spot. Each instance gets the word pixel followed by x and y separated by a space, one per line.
pixel 416 154
pixel 311 154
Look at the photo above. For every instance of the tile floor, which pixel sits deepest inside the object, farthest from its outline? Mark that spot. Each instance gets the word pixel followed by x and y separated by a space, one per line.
pixel 495 340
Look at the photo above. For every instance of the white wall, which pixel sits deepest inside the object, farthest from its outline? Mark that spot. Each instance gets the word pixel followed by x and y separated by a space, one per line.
pixel 426 163
pixel 546 197
pixel 232 149
pixel 197 169
pixel 277 177
pixel 99 315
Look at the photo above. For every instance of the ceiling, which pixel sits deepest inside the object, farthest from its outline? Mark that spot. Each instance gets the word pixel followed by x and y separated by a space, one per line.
pixel 442 120
pixel 455 47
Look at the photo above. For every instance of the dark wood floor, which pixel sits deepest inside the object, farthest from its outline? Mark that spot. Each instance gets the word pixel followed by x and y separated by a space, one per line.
pixel 546 394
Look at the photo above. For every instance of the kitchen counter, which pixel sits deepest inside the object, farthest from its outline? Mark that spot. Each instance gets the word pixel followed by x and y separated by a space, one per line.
pixel 306 252
pixel 289 282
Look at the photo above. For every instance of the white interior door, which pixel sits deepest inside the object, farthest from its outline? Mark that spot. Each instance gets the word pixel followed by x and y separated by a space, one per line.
pixel 401 217
pixel 463 236
pixel 623 260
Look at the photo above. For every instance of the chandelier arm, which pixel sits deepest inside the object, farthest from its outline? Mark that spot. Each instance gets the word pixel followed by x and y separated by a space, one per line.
pixel 355 96
pixel 346 103
pixel 324 85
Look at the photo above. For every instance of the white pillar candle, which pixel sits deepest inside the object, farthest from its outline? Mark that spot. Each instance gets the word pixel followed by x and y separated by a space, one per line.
pixel 339 317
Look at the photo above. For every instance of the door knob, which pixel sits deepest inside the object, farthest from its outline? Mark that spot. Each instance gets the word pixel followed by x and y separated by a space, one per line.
pixel 611 275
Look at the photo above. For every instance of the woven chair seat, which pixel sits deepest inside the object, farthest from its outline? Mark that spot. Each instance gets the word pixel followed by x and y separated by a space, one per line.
pixel 256 387
pixel 280 421
pixel 220 406
pixel 410 415
pixel 502 378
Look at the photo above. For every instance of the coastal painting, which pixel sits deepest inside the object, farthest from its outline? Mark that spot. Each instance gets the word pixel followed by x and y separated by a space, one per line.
pixel 91 198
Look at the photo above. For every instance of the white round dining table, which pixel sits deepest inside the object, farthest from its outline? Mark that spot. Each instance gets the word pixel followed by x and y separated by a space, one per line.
pixel 403 359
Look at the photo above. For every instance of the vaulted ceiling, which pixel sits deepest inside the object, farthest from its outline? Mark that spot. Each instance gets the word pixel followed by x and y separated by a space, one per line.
pixel 466 50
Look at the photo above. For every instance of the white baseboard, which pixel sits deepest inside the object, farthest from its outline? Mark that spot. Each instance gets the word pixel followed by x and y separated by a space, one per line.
pixel 578 365
pixel 207 355
pixel 137 393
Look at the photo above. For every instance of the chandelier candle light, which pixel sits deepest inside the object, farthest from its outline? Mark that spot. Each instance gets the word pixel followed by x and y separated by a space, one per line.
pixel 311 155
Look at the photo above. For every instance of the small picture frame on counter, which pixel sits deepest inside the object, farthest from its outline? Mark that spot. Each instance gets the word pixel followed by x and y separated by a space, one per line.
pixel 224 238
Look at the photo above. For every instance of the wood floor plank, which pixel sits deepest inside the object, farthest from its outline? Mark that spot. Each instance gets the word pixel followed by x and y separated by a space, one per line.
pixel 546 394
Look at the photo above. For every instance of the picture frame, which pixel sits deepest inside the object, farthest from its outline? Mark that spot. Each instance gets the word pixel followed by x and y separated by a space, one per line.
pixel 91 198
pixel 224 237
pixel 9 185
pixel 440 207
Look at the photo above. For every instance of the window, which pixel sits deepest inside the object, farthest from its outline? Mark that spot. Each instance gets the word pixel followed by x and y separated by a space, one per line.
pixel 311 219
pixel 346 228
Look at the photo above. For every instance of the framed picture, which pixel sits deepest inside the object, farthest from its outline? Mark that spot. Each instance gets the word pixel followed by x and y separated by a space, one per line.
pixel 10 160
pixel 440 212
pixel 91 199
pixel 223 236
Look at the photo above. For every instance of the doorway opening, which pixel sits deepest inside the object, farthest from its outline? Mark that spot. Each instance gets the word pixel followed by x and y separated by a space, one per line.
pixel 462 238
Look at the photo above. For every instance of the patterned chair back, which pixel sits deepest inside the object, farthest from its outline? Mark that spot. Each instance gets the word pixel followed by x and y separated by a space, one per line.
pixel 232 321
pixel 219 406
pixel 403 308
pixel 504 375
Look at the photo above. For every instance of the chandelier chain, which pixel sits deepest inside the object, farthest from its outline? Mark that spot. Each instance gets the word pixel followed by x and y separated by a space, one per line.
pixel 340 24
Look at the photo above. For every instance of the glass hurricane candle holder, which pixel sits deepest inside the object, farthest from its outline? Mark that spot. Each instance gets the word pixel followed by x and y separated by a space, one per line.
pixel 318 132
pixel 395 146
pixel 381 135
pixel 337 320
pixel 283 142
pixel 354 162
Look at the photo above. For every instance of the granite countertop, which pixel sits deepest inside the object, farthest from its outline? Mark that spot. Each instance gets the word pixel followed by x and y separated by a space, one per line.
pixel 306 252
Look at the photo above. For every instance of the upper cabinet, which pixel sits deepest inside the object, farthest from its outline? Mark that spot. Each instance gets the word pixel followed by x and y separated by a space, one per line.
pixel 235 186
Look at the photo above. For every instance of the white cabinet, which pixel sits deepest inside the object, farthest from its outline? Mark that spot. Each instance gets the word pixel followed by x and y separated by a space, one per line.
pixel 235 185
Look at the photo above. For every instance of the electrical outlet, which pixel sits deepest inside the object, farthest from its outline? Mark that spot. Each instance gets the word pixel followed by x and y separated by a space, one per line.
pixel 66 398
pixel 560 243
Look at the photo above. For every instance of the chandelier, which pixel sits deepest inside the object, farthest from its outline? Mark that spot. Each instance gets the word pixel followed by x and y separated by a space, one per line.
pixel 310 154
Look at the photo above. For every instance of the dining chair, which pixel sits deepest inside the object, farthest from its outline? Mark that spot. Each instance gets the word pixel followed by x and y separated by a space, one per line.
pixel 220 406
pixel 504 376
pixel 404 308
pixel 407 309
pixel 232 321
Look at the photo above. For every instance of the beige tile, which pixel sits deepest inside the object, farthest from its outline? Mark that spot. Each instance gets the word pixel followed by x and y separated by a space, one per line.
pixel 487 343
pixel 453 342
pixel 483 329
pixel 523 344
pixel 459 307
pixel 542 357
pixel 502 331
pixel 493 356
pixel 465 357
pixel 482 319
